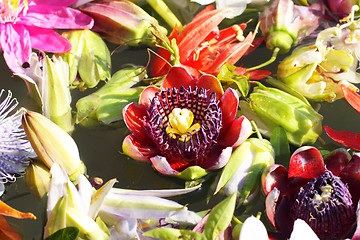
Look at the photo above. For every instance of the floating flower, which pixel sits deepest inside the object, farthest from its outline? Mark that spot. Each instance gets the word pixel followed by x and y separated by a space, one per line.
pixel 188 123
pixel 283 23
pixel 323 193
pixel 28 24
pixel 203 47
pixel 15 149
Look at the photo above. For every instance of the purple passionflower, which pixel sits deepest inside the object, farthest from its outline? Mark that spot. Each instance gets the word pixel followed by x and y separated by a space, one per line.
pixel 322 192
pixel 28 24
pixel 15 149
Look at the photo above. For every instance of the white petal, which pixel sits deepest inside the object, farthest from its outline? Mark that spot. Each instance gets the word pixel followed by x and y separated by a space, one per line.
pixel 59 179
pixel 302 231
pixel 253 229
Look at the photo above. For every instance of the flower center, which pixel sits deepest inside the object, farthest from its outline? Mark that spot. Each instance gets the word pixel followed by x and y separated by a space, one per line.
pixel 181 124
pixel 325 204
pixel 184 123
pixel 10 10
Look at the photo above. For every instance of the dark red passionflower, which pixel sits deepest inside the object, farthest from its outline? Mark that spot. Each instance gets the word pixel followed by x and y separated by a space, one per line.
pixel 187 123
pixel 323 193
pixel 205 48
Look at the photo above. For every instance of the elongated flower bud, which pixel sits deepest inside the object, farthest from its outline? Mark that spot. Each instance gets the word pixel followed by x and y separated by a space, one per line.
pixel 247 162
pixel 52 144
pixel 37 178
pixel 122 22
pixel 271 107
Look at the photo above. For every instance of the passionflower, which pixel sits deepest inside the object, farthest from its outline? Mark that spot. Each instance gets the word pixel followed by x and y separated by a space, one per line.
pixel 203 47
pixel 322 192
pixel 189 124
pixel 283 23
pixel 28 24
pixel 340 8
pixel 15 149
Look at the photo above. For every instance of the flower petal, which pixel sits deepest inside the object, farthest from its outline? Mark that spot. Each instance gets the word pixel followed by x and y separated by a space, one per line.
pixel 253 229
pixel 54 2
pixel 134 115
pixel 6 232
pixel 351 97
pixel 351 175
pixel 161 164
pixel 147 95
pixel 137 150
pixel 211 83
pixel 178 77
pixel 15 42
pixel 56 17
pixel 302 230
pixel 276 177
pixel 239 131
pixel 217 158
pixel 6 210
pixel 349 139
pixel 306 163
pixel 229 103
pixel 337 160
pixel 48 40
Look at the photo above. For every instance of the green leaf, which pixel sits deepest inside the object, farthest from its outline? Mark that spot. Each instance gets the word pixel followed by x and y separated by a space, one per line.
pixel 164 233
pixel 220 217
pixel 69 233
pixel 227 74
pixel 281 146
pixel 192 173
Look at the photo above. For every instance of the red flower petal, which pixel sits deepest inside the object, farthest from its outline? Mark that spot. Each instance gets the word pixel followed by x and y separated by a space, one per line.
pixel 254 74
pixel 177 77
pixel 351 175
pixel 276 177
pixel 337 160
pixel 239 131
pixel 229 103
pixel 133 116
pixel 351 97
pixel 138 150
pixel 306 163
pixel 211 83
pixel 147 95
pixel 349 139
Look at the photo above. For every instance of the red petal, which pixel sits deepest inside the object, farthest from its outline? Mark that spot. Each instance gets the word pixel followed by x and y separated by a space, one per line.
pixel 254 74
pixel 229 103
pixel 337 160
pixel 275 177
pixel 306 163
pixel 138 150
pixel 351 97
pixel 239 131
pixel 351 175
pixel 210 83
pixel 147 95
pixel 177 77
pixel 195 32
pixel 134 115
pixel 349 139
pixel 232 54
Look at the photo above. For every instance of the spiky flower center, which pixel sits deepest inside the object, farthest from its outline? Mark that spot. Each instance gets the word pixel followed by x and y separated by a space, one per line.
pixel 10 10
pixel 184 123
pixel 325 204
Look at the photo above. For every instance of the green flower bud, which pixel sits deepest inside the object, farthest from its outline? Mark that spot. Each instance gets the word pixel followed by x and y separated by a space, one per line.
pixel 106 104
pixel 37 178
pixel 52 144
pixel 89 56
pixel 247 162
pixel 123 22
pixel 280 39
pixel 271 107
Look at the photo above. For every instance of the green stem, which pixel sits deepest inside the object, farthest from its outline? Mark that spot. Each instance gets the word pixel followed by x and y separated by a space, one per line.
pixel 271 60
pixel 256 130
pixel 163 10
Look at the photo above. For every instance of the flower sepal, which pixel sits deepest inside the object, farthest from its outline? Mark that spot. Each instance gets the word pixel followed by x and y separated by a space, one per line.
pixel 192 173
pixel 37 178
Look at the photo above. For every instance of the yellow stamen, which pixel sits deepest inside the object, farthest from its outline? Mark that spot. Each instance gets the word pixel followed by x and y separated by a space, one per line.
pixel 181 121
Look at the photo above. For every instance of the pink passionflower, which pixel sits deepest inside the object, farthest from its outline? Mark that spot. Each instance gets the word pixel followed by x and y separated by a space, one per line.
pixel 28 24
pixel 188 122
pixel 322 192
pixel 204 47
